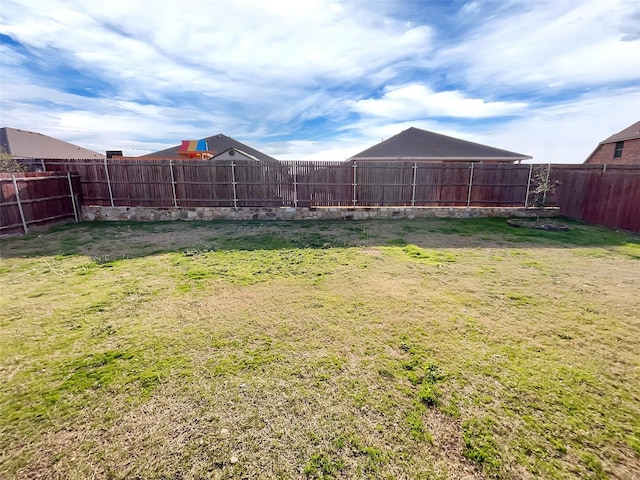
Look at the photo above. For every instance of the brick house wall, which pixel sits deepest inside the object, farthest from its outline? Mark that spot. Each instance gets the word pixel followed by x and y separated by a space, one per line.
pixel 604 153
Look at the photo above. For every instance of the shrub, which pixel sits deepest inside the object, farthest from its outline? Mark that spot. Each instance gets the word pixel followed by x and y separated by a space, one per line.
pixel 8 164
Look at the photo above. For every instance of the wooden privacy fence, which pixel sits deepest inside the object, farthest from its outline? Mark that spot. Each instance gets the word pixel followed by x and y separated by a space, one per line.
pixel 604 194
pixel 28 199
pixel 189 183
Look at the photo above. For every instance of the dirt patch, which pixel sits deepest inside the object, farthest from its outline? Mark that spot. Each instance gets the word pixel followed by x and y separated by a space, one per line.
pixel 447 442
pixel 538 225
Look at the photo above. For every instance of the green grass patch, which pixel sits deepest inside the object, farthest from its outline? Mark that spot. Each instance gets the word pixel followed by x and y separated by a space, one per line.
pixel 431 257
pixel 480 445
pixel 322 466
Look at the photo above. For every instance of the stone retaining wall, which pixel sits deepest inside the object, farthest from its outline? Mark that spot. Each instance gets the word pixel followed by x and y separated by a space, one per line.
pixel 100 213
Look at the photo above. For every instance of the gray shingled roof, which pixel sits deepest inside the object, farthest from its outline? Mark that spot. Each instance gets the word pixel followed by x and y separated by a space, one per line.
pixel 629 133
pixel 416 144
pixel 26 144
pixel 218 143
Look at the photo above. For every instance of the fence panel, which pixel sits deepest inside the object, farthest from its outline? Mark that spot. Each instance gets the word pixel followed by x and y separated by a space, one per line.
pixel 280 178
pixel 604 194
pixel 454 182
pixel 141 182
pixel 428 178
pixel 95 188
pixel 572 188
pixel 258 185
pixel 626 203
pixel 10 215
pixel 499 185
pixel 322 183
pixel 384 183
pixel 201 183
pixel 29 199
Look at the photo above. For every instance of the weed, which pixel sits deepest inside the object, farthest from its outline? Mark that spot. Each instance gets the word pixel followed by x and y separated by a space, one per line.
pixel 428 257
pixel 416 425
pixel 521 299
pixel 594 466
pixel 634 441
pixel 322 466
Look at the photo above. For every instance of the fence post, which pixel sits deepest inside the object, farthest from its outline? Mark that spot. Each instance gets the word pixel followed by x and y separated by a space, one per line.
pixel 173 184
pixel 470 183
pixel 24 222
pixel 526 195
pixel 413 190
pixel 233 183
pixel 295 184
pixel 546 184
pixel 106 169
pixel 355 184
pixel 73 198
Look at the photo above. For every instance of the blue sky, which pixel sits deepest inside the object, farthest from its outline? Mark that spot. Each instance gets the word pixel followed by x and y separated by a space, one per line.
pixel 320 79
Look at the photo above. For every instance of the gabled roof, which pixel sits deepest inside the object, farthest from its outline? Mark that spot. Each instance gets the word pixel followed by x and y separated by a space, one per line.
pixel 416 144
pixel 218 143
pixel 26 144
pixel 230 153
pixel 629 133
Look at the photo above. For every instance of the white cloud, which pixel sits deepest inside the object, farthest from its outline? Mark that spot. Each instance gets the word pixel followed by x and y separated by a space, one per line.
pixel 103 123
pixel 205 46
pixel 255 70
pixel 334 150
pixel 568 132
pixel 551 44
pixel 253 66
pixel 415 101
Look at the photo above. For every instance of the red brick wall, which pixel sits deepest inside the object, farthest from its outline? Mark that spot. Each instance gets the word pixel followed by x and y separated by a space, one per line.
pixel 630 154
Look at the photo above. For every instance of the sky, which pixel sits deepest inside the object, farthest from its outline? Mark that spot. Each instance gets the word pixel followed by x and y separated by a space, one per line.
pixel 319 79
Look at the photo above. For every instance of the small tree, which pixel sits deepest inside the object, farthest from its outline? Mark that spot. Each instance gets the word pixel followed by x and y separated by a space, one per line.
pixel 541 188
pixel 8 164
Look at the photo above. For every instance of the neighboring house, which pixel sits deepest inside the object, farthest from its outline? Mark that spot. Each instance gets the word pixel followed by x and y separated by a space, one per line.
pixel 622 148
pixel 26 145
pixel 216 147
pixel 416 145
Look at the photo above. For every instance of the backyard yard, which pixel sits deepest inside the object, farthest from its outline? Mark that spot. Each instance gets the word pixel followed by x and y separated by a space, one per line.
pixel 405 349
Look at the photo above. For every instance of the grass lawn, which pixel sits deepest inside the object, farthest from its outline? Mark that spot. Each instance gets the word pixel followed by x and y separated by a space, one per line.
pixel 408 349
